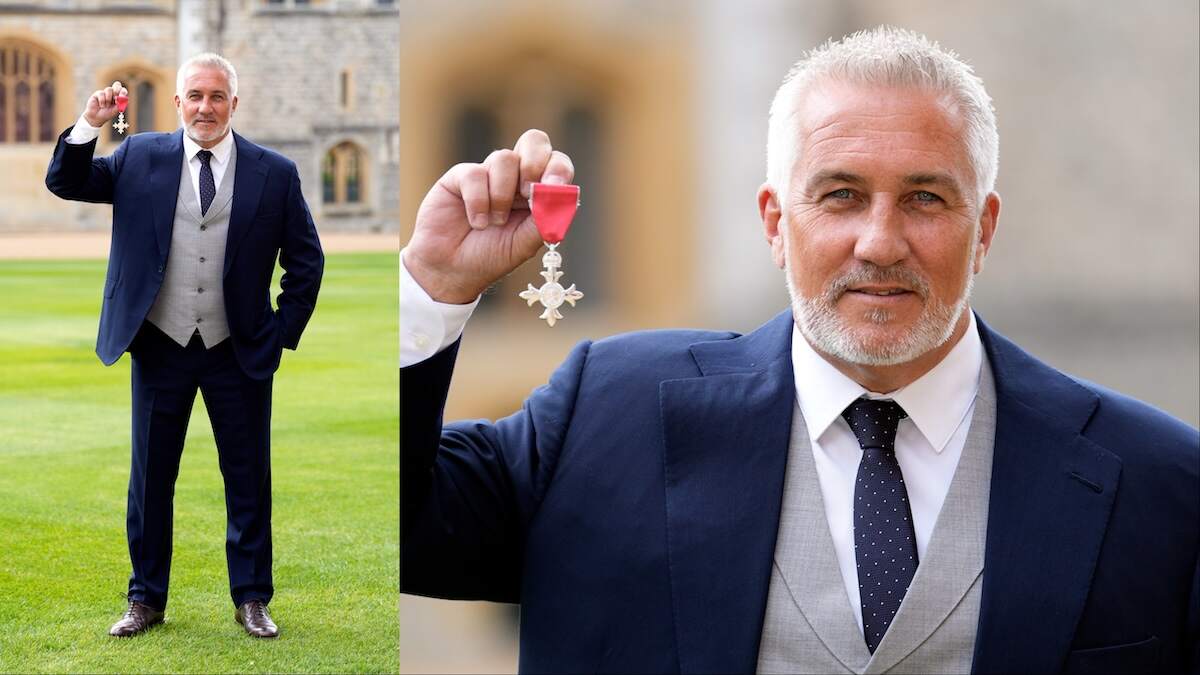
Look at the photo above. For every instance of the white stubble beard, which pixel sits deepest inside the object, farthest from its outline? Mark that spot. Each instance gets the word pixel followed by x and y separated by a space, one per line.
pixel 194 133
pixel 819 322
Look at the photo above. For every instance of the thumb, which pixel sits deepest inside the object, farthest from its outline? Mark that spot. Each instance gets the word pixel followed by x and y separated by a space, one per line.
pixel 526 239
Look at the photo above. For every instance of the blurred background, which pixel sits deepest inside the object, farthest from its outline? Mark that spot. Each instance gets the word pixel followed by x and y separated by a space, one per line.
pixel 663 107
pixel 318 84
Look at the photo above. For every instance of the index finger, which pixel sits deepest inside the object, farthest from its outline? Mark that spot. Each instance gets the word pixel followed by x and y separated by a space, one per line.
pixel 533 147
pixel 559 169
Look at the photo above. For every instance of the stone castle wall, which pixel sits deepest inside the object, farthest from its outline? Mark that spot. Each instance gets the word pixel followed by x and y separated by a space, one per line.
pixel 289 62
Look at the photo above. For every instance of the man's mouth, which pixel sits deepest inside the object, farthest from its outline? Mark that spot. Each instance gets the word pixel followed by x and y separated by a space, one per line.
pixel 882 292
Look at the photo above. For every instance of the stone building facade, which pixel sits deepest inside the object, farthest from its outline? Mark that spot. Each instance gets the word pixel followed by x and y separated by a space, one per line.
pixel 318 82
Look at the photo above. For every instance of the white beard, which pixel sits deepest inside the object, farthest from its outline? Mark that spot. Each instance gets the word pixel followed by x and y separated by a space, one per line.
pixel 819 322
pixel 201 137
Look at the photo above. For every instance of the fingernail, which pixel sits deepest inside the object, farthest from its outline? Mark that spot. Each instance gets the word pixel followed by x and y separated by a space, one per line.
pixel 498 217
pixel 479 221
pixel 554 180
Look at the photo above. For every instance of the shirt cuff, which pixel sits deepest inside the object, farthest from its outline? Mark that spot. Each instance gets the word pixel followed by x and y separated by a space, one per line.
pixel 426 325
pixel 83 132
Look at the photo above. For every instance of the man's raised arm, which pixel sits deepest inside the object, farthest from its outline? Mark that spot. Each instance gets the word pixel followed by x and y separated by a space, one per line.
pixel 466 487
pixel 74 173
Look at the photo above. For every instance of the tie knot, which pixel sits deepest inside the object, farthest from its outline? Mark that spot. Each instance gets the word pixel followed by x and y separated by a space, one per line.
pixel 204 156
pixel 874 422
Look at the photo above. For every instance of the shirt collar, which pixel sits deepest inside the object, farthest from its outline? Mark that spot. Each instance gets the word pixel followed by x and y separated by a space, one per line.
pixel 936 402
pixel 220 151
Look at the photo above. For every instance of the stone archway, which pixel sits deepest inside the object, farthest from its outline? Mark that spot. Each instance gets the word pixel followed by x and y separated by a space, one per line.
pixel 35 92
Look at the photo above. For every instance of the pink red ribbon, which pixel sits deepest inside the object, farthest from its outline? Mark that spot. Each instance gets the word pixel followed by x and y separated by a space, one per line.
pixel 553 209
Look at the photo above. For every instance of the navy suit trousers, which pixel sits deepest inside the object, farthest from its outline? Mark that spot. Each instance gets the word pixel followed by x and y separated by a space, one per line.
pixel 166 377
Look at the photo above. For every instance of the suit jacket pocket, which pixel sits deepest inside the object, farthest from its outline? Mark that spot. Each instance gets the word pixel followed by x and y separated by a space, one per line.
pixel 1134 657
pixel 271 217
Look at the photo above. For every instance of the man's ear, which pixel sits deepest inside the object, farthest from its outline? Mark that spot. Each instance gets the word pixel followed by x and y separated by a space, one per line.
pixel 989 218
pixel 772 215
pixel 234 106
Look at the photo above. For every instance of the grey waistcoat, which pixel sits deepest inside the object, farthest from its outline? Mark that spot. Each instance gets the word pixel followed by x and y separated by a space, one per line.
pixel 809 625
pixel 196 261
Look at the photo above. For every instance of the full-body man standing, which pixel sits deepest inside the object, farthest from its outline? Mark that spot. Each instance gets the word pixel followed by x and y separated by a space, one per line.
pixel 199 217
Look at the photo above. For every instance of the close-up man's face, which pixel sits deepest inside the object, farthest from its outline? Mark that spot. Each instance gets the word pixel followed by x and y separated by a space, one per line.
pixel 205 104
pixel 881 232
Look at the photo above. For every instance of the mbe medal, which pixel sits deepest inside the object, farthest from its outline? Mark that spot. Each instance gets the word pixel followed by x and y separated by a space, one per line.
pixel 553 208
pixel 119 125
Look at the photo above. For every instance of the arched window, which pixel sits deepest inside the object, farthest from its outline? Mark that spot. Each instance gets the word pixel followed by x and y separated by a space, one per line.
pixel 140 115
pixel 27 94
pixel 342 175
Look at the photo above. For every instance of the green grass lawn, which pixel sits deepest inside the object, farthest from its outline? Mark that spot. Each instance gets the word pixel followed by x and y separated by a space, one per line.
pixel 64 466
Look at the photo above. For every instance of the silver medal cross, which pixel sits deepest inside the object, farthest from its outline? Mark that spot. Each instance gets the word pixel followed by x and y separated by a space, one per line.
pixel 552 295
pixel 120 124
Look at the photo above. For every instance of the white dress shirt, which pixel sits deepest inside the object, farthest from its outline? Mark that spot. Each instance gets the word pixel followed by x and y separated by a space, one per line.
pixel 426 325
pixel 929 442
pixel 219 161
pixel 83 132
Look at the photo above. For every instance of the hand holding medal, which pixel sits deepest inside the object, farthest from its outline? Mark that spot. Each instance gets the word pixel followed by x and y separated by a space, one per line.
pixel 475 225
pixel 107 103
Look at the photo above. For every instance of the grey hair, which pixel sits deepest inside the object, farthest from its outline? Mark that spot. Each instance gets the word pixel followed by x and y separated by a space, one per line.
pixel 207 60
pixel 887 56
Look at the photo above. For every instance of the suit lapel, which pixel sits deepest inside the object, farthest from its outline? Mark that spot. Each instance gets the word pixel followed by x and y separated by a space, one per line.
pixel 1051 494
pixel 250 175
pixel 726 439
pixel 166 168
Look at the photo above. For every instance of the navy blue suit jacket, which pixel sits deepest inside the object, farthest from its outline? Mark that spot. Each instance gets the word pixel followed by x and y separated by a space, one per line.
pixel 269 219
pixel 631 508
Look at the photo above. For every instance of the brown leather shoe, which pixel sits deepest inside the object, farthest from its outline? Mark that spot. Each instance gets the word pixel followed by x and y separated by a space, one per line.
pixel 256 620
pixel 137 619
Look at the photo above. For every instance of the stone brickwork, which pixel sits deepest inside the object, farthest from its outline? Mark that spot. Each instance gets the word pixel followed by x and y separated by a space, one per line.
pixel 289 60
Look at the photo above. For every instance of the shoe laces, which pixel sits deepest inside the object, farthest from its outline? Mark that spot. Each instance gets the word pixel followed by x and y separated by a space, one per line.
pixel 129 606
pixel 129 613
pixel 258 611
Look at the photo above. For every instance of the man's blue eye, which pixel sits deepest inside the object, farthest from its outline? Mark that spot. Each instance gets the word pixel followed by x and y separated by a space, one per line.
pixel 924 196
pixel 841 194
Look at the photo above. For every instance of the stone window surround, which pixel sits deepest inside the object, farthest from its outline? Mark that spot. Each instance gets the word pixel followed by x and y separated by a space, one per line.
pixel 47 70
pixel 340 149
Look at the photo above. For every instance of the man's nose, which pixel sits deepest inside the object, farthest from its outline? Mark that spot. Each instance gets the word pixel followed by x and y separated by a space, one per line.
pixel 881 237
pixel 205 105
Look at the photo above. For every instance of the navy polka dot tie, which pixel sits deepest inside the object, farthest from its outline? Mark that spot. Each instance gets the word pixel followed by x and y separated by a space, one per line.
pixel 208 187
pixel 885 544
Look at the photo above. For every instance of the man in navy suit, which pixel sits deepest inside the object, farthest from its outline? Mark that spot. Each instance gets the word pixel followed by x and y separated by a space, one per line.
pixel 199 217
pixel 873 481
